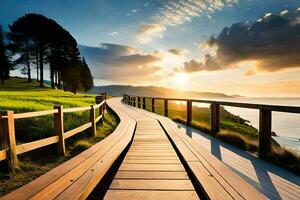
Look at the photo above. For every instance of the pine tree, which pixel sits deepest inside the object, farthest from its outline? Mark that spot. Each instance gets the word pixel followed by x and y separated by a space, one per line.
pixel 4 62
pixel 86 76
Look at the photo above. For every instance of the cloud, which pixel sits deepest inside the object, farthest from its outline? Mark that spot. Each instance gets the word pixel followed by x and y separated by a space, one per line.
pixel 148 31
pixel 113 61
pixel 178 52
pixel 271 44
pixel 113 33
pixel 174 13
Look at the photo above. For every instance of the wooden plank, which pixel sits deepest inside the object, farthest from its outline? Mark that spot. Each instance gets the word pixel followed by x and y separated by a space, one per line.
pixel 59 129
pixel 236 186
pixel 151 157
pixel 209 184
pixel 151 167
pixel 152 161
pixel 152 184
pixel 150 195
pixel 81 187
pixel 151 154
pixel 32 188
pixel 265 129
pixel 23 148
pixel 9 139
pixel 98 118
pixel 151 175
pixel 79 129
pixel 68 110
pixel 34 114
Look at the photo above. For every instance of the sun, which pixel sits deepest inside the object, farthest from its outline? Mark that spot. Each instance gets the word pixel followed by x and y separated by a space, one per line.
pixel 180 79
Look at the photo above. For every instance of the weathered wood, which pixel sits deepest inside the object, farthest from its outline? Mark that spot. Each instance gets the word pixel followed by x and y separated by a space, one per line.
pixel 166 108
pixel 214 118
pixel 23 148
pixel 265 129
pixel 153 104
pixel 93 120
pixel 59 129
pixel 9 139
pixel 189 114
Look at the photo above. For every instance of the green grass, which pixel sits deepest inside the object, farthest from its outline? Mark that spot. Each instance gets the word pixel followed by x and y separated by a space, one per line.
pixel 19 96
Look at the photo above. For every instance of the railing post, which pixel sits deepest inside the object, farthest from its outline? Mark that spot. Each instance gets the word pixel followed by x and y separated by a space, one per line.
pixel 189 107
pixel 101 109
pixel 104 98
pixel 9 139
pixel 153 104
pixel 92 119
pixel 214 117
pixel 134 101
pixel 139 102
pixel 144 103
pixel 166 108
pixel 265 128
pixel 59 129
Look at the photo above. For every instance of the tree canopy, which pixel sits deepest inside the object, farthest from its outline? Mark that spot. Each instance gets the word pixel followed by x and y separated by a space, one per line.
pixel 36 39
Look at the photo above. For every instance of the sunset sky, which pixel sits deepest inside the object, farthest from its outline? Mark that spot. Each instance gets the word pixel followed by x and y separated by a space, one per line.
pixel 246 47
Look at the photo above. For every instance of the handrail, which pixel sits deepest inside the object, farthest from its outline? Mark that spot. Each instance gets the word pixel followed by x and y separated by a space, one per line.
pixel 265 114
pixel 7 125
pixel 277 108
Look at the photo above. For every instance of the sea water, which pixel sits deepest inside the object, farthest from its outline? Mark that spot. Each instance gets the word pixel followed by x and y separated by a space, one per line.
pixel 285 125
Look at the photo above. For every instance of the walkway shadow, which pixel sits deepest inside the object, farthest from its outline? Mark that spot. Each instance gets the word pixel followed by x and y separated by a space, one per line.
pixel 270 186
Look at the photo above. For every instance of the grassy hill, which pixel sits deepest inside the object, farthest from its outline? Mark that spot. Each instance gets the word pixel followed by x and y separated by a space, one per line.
pixel 20 96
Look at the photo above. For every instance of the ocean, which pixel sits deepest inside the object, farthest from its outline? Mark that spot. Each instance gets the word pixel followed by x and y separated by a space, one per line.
pixel 285 125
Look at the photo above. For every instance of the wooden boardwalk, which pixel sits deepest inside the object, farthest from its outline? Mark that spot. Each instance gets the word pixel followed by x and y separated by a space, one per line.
pixel 151 168
pixel 161 163
pixel 274 182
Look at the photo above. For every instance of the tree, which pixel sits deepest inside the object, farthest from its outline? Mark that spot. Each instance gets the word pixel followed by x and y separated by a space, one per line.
pixel 86 76
pixel 39 40
pixel 4 62
pixel 21 44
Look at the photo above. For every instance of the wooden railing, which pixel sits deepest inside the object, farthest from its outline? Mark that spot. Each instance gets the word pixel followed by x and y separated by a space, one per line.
pixel 265 114
pixel 10 149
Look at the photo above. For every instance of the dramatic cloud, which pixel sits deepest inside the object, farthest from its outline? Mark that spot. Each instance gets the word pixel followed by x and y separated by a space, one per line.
pixel 113 61
pixel 272 43
pixel 173 13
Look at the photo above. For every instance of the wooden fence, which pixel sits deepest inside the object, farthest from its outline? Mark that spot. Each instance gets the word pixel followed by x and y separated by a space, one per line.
pixel 265 114
pixel 10 149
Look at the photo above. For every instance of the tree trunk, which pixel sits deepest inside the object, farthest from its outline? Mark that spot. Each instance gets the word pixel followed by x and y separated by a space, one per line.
pixel 37 65
pixel 28 62
pixel 59 80
pixel 41 66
